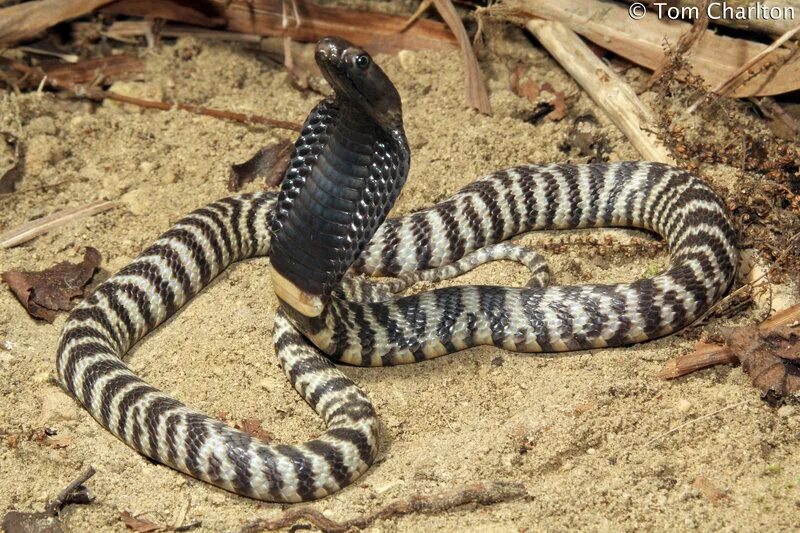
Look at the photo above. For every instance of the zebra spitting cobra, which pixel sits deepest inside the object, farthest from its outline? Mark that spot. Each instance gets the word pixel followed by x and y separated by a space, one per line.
pixel 325 230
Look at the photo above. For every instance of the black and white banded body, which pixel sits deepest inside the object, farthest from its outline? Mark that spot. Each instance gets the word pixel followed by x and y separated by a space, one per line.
pixel 359 162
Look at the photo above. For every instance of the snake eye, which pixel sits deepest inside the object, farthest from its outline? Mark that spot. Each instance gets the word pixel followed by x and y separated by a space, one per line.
pixel 362 61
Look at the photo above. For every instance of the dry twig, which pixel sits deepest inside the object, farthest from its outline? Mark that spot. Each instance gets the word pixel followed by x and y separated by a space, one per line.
pixel 608 24
pixel 479 493
pixel 608 90
pixel 70 491
pixel 695 420
pixel 34 228
pixel 736 79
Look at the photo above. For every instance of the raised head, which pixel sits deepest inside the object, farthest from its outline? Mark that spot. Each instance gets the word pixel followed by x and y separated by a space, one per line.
pixel 347 169
pixel 353 75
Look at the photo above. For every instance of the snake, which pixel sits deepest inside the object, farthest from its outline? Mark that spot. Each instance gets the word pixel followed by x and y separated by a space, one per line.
pixel 339 266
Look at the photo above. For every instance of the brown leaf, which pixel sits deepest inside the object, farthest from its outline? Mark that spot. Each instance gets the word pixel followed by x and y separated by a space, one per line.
pixel 252 426
pixel 139 525
pixel 270 163
pixel 771 357
pixel 50 290
pixel 559 103
pixel 709 490
pixel 12 163
pixel 527 88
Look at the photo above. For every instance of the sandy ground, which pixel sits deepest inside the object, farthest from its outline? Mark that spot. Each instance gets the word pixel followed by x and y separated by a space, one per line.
pixel 587 433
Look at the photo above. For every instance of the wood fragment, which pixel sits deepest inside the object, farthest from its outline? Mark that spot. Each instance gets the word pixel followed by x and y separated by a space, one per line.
pixel 28 19
pixel 375 32
pixel 109 69
pixel 609 25
pixel 609 91
pixel 30 230
pixel 477 95
pixel 197 13
pixel 704 355
pixel 480 493
pixel 769 354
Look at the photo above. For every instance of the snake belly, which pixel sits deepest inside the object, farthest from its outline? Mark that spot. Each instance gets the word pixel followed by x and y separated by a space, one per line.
pixel 375 327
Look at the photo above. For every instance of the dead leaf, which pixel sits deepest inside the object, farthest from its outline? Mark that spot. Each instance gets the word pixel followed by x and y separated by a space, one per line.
pixel 12 163
pixel 527 88
pixel 554 109
pixel 559 103
pixel 709 490
pixel 59 442
pixel 270 163
pixel 50 290
pixel 771 358
pixel 769 354
pixel 16 522
pixel 140 525
pixel 252 426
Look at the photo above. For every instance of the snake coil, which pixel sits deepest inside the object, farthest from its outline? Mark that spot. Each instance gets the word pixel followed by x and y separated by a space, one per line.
pixel 325 227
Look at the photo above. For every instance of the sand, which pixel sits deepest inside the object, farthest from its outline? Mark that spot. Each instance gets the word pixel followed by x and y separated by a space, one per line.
pixel 598 441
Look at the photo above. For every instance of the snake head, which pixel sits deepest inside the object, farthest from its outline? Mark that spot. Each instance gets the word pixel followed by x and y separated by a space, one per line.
pixel 353 74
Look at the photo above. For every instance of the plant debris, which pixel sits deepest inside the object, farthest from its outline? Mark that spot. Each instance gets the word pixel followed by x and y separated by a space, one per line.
pixel 26 20
pixel 197 13
pixel 32 229
pixel 375 32
pixel 554 108
pixel 269 163
pixel 49 521
pixel 140 525
pixel 87 71
pixel 769 354
pixel 714 57
pixel 710 491
pixel 480 493
pixel 12 163
pixel 252 426
pixel 45 292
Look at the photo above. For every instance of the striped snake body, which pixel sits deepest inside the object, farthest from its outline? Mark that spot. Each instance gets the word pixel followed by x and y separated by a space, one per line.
pixel 325 228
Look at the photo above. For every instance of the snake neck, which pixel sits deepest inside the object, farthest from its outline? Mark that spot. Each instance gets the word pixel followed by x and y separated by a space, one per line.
pixel 346 173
